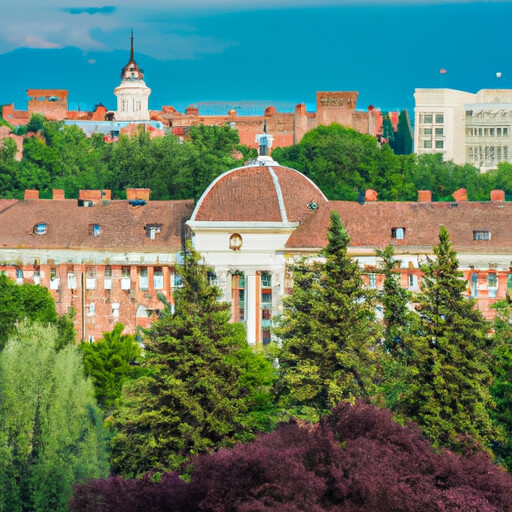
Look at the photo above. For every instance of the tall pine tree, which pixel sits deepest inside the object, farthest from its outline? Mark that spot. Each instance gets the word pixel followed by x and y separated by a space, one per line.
pixel 206 387
pixel 448 393
pixel 327 332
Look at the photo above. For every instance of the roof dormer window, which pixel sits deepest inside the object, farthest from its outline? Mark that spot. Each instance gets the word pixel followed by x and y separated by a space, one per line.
pixel 398 233
pixel 94 229
pixel 40 229
pixel 481 234
pixel 152 230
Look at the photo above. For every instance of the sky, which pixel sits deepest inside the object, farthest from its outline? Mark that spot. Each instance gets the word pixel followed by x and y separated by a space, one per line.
pixel 274 51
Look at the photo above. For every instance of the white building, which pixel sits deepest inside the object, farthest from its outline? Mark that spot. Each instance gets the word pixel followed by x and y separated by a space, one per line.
pixel 465 127
pixel 133 93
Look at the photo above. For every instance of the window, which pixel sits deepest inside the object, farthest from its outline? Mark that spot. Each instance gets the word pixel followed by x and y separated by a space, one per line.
pixel 143 279
pixel 371 280
pixel 427 118
pixel 213 280
pixel 54 280
pixel 19 276
pixel 492 285
pixel 158 278
pixel 37 276
pixel 491 132
pixel 509 282
pixel 125 278
pixel 439 131
pixel 498 132
pixel 481 235
pixel 427 131
pixel 266 307
pixel 90 278
pixel 235 242
pixel 152 230
pixel 505 131
pixel 115 309
pixel 427 144
pixel 177 282
pixel 71 281
pixel 40 229
pixel 94 229
pixel 474 284
pixel 412 281
pixel 91 309
pixel 107 278
pixel 238 296
pixel 439 118
pixel 439 144
pixel 398 233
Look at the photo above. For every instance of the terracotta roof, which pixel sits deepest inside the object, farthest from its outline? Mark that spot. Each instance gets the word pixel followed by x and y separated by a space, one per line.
pixel 68 226
pixel 259 193
pixel 370 225
pixel 5 203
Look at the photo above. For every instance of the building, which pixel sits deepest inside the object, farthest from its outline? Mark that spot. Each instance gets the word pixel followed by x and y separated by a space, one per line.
pixel 108 260
pixel 465 127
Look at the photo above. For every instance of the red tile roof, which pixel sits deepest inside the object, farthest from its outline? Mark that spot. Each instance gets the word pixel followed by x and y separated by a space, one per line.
pixel 251 194
pixel 122 227
pixel 370 225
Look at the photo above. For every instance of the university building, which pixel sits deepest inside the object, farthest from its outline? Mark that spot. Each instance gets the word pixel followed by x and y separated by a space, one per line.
pixel 467 128
pixel 115 260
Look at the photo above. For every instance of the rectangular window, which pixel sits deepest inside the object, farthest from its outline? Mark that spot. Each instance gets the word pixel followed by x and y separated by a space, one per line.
pixel 427 118
pixel 509 282
pixel 505 131
pixel 90 281
pixel 371 280
pixel 427 144
pixel 439 144
pixel 398 233
pixel 412 281
pixel 91 309
pixel 94 229
pixel 498 132
pixel 492 285
pixel 125 278
pixel 71 281
pixel 427 131
pixel 37 276
pixel 474 284
pixel 481 235
pixel 19 276
pixel 152 230
pixel 107 278
pixel 158 278
pixel 238 296
pixel 491 132
pixel 143 279
pixel 54 280
pixel 439 118
pixel 439 131
pixel 115 309
pixel 266 307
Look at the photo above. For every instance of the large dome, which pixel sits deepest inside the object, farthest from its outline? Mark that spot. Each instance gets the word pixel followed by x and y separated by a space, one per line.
pixel 264 192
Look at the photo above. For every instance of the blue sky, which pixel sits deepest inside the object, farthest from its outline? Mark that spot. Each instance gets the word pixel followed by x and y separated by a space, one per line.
pixel 281 50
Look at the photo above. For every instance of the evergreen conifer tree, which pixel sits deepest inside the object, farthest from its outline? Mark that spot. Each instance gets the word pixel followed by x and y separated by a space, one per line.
pixel 448 393
pixel 327 331
pixel 206 387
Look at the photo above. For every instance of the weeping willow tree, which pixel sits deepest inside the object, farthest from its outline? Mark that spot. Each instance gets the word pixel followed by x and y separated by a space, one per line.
pixel 50 429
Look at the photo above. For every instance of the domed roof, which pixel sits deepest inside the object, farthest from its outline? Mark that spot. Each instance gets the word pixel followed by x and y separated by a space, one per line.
pixel 264 192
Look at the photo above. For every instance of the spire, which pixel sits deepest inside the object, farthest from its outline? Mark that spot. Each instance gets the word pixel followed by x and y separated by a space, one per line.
pixel 131 45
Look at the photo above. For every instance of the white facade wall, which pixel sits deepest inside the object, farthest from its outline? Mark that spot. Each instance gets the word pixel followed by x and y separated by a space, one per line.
pixel 132 101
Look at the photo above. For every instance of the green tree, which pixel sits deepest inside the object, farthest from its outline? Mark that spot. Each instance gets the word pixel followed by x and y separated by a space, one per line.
pixel 448 392
pixel 328 332
pixel 35 303
pixel 110 363
pixel 206 387
pixel 50 430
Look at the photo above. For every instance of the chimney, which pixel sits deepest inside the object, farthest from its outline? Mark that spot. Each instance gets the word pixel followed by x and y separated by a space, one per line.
pixel 497 195
pixel 370 195
pixel 58 194
pixel 31 194
pixel 138 194
pixel 460 195
pixel 94 195
pixel 424 196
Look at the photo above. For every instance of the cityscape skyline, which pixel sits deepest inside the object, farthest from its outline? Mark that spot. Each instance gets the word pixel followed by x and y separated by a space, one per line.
pixel 280 52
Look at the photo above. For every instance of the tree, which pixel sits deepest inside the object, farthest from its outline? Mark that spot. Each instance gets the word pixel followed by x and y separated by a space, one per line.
pixel 356 459
pixel 327 332
pixel 205 386
pixel 50 430
pixel 448 393
pixel 110 363
pixel 35 303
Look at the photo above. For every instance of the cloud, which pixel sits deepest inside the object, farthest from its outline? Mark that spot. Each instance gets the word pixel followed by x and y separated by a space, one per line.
pixel 37 42
pixel 107 9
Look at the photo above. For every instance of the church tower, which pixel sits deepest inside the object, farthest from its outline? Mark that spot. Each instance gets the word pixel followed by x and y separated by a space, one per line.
pixel 133 93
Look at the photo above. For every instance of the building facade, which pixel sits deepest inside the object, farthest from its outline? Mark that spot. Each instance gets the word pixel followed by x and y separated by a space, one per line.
pixel 465 127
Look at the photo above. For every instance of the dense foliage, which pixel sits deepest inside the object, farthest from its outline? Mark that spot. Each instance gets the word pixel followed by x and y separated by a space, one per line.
pixel 110 362
pixel 35 303
pixel 327 331
pixel 63 157
pixel 451 365
pixel 205 387
pixel 356 460
pixel 50 429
